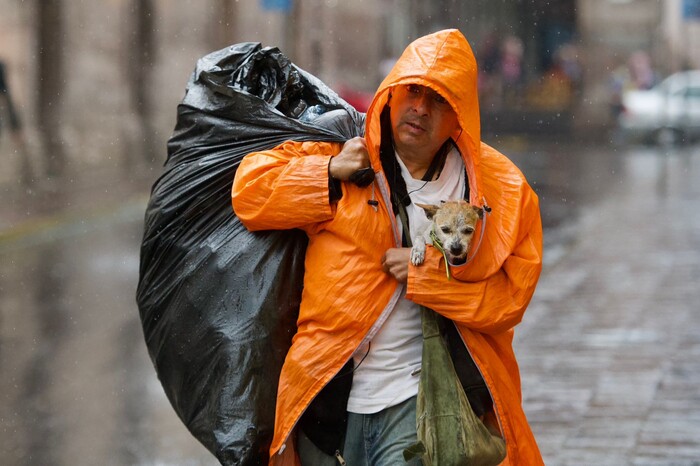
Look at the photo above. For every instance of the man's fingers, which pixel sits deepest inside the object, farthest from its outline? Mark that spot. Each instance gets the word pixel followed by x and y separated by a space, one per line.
pixel 352 158
pixel 395 263
pixel 363 177
pixel 357 140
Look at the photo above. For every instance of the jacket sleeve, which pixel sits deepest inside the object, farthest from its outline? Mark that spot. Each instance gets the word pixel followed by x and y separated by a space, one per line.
pixel 284 188
pixel 489 303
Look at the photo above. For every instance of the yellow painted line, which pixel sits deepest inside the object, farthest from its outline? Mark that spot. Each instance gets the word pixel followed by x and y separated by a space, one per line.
pixel 31 228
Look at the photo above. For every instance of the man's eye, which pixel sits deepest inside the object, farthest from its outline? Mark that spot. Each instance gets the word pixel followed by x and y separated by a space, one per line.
pixel 413 89
pixel 439 99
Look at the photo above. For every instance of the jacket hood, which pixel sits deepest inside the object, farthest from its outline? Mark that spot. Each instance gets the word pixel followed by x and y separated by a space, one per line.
pixel 444 62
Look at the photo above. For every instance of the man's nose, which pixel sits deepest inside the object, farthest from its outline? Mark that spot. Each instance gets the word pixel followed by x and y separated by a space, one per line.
pixel 421 103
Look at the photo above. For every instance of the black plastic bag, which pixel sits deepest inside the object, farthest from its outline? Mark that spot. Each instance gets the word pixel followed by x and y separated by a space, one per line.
pixel 219 304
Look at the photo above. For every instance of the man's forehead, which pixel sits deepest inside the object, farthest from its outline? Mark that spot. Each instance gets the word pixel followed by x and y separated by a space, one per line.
pixel 428 90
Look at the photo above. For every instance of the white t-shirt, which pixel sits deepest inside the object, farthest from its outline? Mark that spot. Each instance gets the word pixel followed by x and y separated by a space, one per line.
pixel 387 374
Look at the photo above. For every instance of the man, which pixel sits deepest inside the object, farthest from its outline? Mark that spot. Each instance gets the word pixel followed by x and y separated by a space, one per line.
pixel 348 386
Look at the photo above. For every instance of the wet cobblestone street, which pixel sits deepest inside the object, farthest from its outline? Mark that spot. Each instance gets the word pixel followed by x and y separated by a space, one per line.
pixel 610 346
pixel 609 349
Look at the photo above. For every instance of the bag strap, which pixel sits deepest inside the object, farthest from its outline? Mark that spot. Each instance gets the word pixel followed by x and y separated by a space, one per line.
pixel 429 318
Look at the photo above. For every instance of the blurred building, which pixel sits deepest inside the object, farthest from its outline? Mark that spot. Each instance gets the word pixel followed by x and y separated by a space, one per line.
pixel 98 82
pixel 616 34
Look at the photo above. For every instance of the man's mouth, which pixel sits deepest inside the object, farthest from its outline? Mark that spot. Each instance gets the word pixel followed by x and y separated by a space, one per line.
pixel 415 126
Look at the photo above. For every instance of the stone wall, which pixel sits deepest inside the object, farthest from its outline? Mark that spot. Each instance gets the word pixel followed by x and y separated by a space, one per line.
pixel 99 122
pixel 344 43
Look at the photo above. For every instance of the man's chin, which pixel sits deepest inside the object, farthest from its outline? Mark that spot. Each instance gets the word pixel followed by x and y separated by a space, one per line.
pixel 408 139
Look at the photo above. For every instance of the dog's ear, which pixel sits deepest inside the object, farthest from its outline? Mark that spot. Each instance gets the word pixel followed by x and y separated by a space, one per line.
pixel 479 211
pixel 430 210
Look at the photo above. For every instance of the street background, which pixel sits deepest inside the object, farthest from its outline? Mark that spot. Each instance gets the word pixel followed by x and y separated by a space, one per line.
pixel 609 346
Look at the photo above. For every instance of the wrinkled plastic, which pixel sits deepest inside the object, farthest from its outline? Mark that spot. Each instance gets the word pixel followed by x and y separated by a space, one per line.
pixel 218 303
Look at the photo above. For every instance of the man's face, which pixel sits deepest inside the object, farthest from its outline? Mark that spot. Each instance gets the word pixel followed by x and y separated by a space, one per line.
pixel 422 120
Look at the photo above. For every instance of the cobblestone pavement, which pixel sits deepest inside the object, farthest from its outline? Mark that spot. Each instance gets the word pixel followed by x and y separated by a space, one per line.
pixel 610 346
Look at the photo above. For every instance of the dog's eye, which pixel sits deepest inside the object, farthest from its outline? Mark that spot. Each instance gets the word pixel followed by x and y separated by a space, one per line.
pixel 468 231
pixel 445 230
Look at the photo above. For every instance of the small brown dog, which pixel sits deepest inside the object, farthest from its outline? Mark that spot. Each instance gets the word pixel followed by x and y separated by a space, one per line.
pixel 453 224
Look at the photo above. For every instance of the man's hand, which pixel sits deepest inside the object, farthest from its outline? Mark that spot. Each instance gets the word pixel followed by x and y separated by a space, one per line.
pixel 395 263
pixel 352 157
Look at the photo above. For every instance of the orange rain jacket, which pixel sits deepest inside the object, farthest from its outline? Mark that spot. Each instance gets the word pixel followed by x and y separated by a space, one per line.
pixel 346 294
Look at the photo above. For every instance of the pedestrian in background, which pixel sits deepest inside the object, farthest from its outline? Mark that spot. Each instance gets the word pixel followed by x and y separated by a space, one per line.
pixel 349 382
pixel 7 108
pixel 7 104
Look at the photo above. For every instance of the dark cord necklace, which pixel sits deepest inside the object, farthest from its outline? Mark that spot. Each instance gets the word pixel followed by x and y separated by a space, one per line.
pixel 438 162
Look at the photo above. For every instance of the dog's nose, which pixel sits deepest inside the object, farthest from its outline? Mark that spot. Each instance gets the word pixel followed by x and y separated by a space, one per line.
pixel 456 249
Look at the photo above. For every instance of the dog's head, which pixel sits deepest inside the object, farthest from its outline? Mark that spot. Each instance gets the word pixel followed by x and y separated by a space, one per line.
pixel 454 223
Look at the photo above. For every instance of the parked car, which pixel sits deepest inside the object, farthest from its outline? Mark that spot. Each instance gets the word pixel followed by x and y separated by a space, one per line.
pixel 669 113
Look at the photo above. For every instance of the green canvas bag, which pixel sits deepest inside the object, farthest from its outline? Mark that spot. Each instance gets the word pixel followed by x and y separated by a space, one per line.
pixel 449 433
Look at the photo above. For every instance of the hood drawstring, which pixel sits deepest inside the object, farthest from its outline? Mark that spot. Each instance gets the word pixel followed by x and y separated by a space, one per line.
pixel 373 201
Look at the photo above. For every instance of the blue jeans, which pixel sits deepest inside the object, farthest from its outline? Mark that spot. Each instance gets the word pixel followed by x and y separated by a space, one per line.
pixel 371 439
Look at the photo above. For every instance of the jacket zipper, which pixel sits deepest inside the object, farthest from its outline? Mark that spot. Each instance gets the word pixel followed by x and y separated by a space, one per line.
pixel 399 289
pixel 370 334
pixel 377 324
